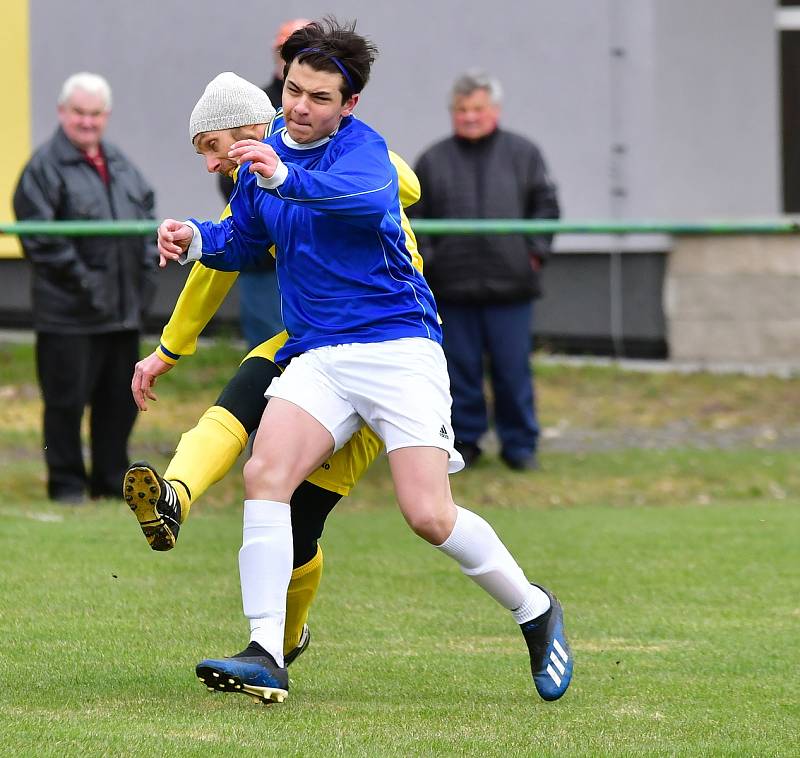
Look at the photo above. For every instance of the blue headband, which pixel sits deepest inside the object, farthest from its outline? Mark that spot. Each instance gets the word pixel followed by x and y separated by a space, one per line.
pixel 333 59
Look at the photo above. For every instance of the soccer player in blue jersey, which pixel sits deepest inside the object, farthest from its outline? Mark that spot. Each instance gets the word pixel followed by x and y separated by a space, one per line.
pixel 363 348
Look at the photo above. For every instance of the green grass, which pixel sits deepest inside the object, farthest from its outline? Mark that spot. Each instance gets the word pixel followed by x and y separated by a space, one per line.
pixel 683 622
pixel 678 569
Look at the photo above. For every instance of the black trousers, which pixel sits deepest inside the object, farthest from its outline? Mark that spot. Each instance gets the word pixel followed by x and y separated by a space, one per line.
pixel 76 371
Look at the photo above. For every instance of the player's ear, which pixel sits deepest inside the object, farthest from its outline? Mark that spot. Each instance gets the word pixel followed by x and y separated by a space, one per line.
pixel 350 104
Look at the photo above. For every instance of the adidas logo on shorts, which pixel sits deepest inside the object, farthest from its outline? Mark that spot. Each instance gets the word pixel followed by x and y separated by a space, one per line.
pixel 443 432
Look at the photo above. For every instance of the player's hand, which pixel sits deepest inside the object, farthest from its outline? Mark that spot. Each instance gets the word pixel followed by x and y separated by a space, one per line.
pixel 145 374
pixel 264 160
pixel 173 240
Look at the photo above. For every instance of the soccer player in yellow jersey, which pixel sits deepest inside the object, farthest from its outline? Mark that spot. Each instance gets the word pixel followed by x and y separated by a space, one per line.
pixel 232 109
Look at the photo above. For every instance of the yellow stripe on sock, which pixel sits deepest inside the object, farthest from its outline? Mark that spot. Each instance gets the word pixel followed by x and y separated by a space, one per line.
pixel 302 590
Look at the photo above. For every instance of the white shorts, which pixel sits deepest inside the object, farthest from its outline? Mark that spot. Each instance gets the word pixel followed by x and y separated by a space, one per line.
pixel 399 388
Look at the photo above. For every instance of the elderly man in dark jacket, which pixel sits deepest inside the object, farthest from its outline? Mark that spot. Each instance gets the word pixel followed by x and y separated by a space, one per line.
pixel 88 292
pixel 485 286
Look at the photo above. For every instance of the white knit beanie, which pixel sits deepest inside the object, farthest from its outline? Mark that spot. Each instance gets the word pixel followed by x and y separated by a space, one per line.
pixel 227 103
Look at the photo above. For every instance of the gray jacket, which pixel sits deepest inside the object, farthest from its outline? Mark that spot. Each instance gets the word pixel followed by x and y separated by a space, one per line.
pixel 86 285
pixel 500 176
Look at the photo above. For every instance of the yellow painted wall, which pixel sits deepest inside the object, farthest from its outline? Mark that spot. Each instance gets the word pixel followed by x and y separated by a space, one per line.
pixel 15 124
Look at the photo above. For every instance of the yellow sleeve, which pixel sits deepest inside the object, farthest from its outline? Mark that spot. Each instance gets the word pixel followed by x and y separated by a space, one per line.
pixel 409 194
pixel 200 298
pixel 410 190
pixel 411 241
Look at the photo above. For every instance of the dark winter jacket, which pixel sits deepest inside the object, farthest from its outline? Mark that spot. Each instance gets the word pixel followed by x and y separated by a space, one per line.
pixel 86 285
pixel 500 176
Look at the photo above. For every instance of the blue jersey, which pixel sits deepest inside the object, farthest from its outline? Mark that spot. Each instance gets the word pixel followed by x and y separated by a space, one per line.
pixel 344 269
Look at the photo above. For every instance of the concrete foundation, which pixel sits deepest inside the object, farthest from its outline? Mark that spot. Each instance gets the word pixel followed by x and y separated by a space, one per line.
pixel 733 299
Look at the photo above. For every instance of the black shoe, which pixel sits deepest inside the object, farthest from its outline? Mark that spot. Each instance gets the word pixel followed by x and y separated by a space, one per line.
pixel 252 672
pixel 525 463
pixel 155 503
pixel 299 648
pixel 470 452
pixel 551 658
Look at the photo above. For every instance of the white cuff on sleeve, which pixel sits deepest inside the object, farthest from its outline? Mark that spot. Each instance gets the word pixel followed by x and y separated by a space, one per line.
pixel 195 249
pixel 278 178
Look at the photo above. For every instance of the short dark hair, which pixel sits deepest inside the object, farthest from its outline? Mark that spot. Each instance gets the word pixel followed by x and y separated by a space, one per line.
pixel 331 42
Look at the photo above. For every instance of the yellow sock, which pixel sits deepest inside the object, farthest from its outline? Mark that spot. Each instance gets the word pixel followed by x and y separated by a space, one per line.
pixel 205 454
pixel 303 588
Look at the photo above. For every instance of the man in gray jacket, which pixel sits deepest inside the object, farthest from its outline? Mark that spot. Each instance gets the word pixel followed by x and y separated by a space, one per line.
pixel 88 293
pixel 485 285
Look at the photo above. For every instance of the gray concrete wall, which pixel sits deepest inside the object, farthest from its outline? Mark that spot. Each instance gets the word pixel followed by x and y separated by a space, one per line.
pixel 693 99
pixel 715 91
pixel 733 300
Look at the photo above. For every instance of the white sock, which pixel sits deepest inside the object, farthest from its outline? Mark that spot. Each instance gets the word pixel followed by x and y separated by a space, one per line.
pixel 265 568
pixel 535 605
pixel 486 560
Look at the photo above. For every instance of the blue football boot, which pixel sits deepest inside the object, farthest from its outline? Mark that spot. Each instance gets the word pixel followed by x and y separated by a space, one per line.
pixel 551 658
pixel 252 672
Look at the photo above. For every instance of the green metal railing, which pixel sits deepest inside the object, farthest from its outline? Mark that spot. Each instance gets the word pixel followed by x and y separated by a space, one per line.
pixel 453 226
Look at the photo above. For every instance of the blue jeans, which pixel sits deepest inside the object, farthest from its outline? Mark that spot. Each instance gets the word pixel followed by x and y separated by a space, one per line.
pixel 259 306
pixel 501 333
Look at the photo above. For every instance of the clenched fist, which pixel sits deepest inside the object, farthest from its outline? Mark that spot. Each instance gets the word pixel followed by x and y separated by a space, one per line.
pixel 173 240
pixel 264 160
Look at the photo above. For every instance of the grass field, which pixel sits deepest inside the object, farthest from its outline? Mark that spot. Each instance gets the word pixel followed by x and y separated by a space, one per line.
pixel 677 565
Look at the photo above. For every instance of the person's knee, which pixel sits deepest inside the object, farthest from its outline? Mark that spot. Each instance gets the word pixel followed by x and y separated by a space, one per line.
pixel 265 479
pixel 434 525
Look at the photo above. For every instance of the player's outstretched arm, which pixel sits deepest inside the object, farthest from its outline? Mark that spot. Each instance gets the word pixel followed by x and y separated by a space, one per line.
pixel 201 296
pixel 237 242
